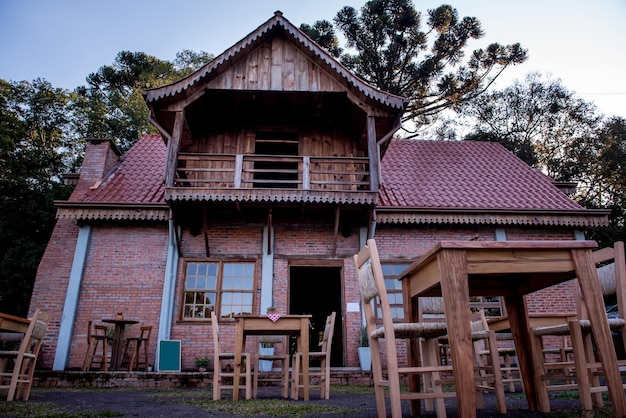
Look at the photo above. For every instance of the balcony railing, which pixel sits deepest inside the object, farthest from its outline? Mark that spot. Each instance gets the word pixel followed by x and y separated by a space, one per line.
pixel 254 171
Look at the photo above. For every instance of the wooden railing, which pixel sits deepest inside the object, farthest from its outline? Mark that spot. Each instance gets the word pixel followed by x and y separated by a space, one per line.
pixel 239 171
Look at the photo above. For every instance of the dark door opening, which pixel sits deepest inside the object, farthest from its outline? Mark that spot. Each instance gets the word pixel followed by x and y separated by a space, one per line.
pixel 317 291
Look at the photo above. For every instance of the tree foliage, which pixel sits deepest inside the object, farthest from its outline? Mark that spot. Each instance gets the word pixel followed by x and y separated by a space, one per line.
pixel 552 129
pixel 33 150
pixel 111 104
pixel 393 53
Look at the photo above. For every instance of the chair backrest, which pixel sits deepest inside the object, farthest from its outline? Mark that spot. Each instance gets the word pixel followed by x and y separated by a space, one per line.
pixel 96 330
pixel 145 331
pixel 612 276
pixel 372 284
pixel 33 338
pixel 329 330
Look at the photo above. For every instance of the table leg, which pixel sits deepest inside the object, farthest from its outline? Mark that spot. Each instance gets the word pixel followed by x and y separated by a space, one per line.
pixel 455 291
pixel 592 298
pixel 304 349
pixel 519 322
pixel 116 348
pixel 239 347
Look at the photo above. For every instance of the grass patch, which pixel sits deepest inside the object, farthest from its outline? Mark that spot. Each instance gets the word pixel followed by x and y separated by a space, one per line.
pixel 272 407
pixel 47 410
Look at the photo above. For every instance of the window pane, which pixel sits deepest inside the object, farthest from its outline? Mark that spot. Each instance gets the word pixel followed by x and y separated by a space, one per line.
pixel 201 285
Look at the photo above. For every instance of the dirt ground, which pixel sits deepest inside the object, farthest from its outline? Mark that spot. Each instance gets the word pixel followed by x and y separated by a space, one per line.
pixel 178 403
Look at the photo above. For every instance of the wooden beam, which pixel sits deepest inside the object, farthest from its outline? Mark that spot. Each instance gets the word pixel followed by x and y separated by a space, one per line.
pixel 336 231
pixel 373 154
pixel 172 149
pixel 177 238
pixel 205 230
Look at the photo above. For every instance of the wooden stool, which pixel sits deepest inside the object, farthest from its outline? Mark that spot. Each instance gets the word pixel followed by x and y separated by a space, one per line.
pixel 97 336
pixel 134 344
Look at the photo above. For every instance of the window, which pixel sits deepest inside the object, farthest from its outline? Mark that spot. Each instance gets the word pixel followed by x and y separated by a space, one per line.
pixel 394 290
pixel 226 287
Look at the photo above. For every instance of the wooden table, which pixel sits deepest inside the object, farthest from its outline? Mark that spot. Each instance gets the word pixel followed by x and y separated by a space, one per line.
pixel 512 269
pixel 117 348
pixel 292 325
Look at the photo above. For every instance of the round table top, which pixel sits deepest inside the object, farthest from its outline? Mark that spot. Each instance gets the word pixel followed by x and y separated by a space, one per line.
pixel 120 321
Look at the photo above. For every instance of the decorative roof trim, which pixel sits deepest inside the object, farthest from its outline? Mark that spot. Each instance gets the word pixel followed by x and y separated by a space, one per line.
pixel 394 101
pixel 112 211
pixel 231 195
pixel 113 214
pixel 475 217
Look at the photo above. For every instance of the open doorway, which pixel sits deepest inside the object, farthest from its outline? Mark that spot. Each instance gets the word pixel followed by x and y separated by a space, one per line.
pixel 317 291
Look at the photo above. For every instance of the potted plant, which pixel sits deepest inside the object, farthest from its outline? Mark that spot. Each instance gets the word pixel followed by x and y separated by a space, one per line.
pixel 202 363
pixel 365 356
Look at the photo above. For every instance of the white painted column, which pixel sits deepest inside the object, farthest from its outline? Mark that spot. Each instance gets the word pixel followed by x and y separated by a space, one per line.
pixel 71 298
pixel 267 269
pixel 169 289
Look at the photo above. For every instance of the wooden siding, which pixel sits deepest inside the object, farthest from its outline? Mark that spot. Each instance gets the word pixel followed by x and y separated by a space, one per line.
pixel 213 161
pixel 276 65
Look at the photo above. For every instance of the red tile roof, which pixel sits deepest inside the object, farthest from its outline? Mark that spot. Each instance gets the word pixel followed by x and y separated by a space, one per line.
pixel 464 175
pixel 137 179
pixel 415 174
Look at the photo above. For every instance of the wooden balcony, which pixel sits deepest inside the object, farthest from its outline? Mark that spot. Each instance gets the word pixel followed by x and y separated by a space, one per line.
pixel 254 177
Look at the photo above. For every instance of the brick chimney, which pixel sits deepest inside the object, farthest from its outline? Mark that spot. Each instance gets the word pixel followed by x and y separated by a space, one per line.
pixel 101 155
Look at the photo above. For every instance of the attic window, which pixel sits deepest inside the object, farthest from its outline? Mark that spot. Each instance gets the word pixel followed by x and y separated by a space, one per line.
pixel 277 160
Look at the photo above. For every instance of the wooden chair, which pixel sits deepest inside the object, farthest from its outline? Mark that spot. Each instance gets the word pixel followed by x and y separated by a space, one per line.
pixel 587 370
pixel 133 348
pixel 323 356
pixel 372 286
pixel 282 355
pixel 506 352
pixel 97 337
pixel 20 379
pixel 488 376
pixel 219 373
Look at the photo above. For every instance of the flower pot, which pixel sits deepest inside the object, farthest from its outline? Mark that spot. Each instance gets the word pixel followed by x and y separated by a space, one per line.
pixel 266 365
pixel 365 358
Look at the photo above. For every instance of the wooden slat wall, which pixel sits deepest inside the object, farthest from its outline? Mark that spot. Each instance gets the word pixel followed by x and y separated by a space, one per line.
pixel 314 143
pixel 276 65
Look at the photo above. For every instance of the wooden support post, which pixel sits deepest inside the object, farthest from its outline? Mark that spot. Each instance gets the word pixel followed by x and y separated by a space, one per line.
pixel 336 231
pixel 205 228
pixel 172 149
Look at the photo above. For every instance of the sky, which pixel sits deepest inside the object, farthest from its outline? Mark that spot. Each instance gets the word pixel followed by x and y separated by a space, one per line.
pixel 581 43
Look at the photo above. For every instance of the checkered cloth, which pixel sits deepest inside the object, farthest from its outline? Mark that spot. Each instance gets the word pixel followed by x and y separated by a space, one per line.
pixel 274 316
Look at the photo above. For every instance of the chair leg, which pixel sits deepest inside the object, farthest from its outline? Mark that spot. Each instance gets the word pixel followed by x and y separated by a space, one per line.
pixel 217 370
pixel 285 380
pixel 582 376
pixel 431 359
pixel 89 356
pixel 497 372
pixel 255 378
pixel 295 385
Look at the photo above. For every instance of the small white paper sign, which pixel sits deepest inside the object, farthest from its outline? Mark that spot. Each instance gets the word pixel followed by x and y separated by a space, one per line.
pixel 353 307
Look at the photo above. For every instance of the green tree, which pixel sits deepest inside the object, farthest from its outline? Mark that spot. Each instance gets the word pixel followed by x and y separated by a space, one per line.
pixel 600 162
pixel 552 129
pixel 392 52
pixel 538 119
pixel 33 152
pixel 111 105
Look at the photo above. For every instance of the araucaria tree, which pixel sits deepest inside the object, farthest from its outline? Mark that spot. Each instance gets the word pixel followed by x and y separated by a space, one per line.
pixel 393 53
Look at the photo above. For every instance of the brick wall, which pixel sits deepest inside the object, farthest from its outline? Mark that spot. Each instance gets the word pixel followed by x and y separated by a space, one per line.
pixel 51 283
pixel 126 265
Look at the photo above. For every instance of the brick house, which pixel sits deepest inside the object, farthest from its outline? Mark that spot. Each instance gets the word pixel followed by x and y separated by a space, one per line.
pixel 273 166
